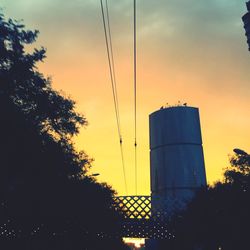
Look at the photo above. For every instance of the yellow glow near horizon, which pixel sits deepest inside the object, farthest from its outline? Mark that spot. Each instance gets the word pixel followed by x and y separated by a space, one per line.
pixel 188 50
pixel 138 243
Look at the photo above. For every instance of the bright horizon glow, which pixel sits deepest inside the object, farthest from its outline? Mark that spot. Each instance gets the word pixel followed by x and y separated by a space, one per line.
pixel 137 242
pixel 188 50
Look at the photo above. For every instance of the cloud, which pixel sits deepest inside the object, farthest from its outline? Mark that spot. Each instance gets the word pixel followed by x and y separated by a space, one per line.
pixel 174 19
pixel 199 37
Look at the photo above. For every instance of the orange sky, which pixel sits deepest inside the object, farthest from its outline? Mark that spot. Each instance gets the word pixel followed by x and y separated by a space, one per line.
pixel 188 50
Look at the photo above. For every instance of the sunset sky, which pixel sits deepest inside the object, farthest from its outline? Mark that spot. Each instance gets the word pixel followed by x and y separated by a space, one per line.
pixel 194 51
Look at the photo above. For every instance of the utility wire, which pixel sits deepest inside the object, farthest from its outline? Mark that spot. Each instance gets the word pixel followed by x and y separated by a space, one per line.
pixel 135 97
pixel 115 90
pixel 108 41
pixel 113 69
pixel 110 67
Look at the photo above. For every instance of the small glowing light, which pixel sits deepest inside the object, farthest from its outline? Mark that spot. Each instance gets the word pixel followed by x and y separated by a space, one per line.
pixel 137 242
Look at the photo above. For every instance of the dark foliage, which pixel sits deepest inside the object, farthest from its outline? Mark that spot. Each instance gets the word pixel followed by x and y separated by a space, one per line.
pixel 44 190
pixel 218 217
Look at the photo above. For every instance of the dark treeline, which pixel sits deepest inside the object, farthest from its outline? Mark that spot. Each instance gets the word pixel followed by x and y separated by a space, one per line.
pixel 47 201
pixel 219 216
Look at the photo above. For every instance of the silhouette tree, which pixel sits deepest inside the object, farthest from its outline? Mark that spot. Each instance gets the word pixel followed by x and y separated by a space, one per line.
pixel 218 217
pixel 45 192
pixel 238 173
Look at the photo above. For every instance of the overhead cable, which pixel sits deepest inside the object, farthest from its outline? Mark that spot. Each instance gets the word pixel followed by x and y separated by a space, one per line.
pixel 135 97
pixel 109 47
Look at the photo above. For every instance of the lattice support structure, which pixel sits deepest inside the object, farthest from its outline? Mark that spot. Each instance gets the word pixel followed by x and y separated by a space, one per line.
pixel 139 221
pixel 134 207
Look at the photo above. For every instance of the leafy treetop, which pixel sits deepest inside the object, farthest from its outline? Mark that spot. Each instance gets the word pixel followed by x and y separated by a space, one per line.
pixel 48 110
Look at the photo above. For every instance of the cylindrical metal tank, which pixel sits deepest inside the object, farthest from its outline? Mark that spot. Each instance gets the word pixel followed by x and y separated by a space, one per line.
pixel 176 157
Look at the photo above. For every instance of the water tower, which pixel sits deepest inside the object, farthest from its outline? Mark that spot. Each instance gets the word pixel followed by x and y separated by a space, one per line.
pixel 176 158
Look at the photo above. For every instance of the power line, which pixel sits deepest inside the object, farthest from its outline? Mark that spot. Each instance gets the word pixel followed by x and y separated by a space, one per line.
pixel 109 48
pixel 110 67
pixel 135 97
pixel 113 67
